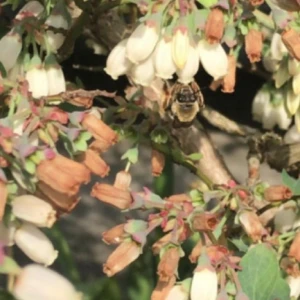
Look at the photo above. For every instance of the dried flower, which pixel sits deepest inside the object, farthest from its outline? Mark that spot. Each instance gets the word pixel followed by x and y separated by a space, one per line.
pixel 204 284
pixel 36 282
pixel 99 129
pixel 123 180
pixel 229 79
pixel 168 264
pixel 291 40
pixel 117 63
pixel 277 193
pixel 163 62
pixel 35 244
pixel 94 163
pixel 162 289
pixel 254 44
pixel 114 235
pixel 196 252
pixel 214 27
pixel 3 198
pixel 142 41
pixel 157 162
pixel 112 195
pixel 34 210
pixel 125 254
pixel 294 250
pixel 204 221
pixel 252 225
pixel 180 46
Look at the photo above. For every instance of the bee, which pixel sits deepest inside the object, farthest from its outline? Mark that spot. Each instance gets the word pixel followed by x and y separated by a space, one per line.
pixel 184 101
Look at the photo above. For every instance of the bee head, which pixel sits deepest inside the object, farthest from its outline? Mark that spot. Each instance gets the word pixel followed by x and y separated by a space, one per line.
pixel 186 95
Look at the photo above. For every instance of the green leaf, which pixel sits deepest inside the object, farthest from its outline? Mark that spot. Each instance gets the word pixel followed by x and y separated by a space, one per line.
pixel 260 276
pixel 239 244
pixel 292 183
pixel 9 266
pixel 30 166
pixel 132 155
pixel 80 145
pixel 208 3
pixel 195 156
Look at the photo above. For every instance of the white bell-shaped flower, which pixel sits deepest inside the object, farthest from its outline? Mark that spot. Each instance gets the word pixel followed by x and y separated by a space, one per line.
pixel 55 40
pixel 36 282
pixel 296 84
pixel 292 101
pixel 180 46
pixel 190 69
pixel 34 210
pixel 7 234
pixel 213 59
pixel 117 63
pixel 163 61
pixel 278 49
pixel 37 78
pixel 292 136
pixel 284 219
pixel 143 73
pixel 17 71
pixel 56 79
pixel 177 293
pixel 30 9
pixel 35 244
pixel 269 116
pixel 294 284
pixel 204 284
pixel 10 49
pixel 261 98
pixel 293 66
pixel 270 64
pixel 283 119
pixel 142 41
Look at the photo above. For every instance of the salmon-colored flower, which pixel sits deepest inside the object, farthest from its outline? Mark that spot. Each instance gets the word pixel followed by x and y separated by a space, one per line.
pixel 81 101
pixel 204 221
pixel 162 289
pixel 291 40
pixel 99 129
pixel 62 202
pixel 100 145
pixel 123 180
pixel 252 225
pixel 196 252
pixel 114 235
pixel 179 198
pixel 229 79
pixel 157 162
pixel 53 131
pixel 256 2
pixel 168 264
pixel 63 174
pixel 214 27
pixel 125 254
pixel 254 45
pixel 3 198
pixel 294 250
pixel 277 193
pixel 94 163
pixel 3 162
pixel 157 246
pixel 112 195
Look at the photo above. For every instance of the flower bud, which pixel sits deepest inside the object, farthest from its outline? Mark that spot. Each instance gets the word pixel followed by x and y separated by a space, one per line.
pixel 204 284
pixel 56 80
pixel 34 210
pixel 112 195
pixel 143 73
pixel 117 63
pixel 277 193
pixel 142 41
pixel 254 44
pixel 213 58
pixel 36 282
pixel 35 244
pixel 168 264
pixel 294 250
pixel 157 162
pixel 252 225
pixel 38 81
pixel 125 254
pixel 294 284
pixel 123 180
pixel 180 46
pixel 214 27
pixel 94 163
pixel 229 79
pixel 10 48
pixel 163 62
pixel 114 235
pixel 291 40
pixel 190 69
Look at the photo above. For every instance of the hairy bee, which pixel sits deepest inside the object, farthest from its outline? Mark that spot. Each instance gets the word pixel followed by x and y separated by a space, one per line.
pixel 184 102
